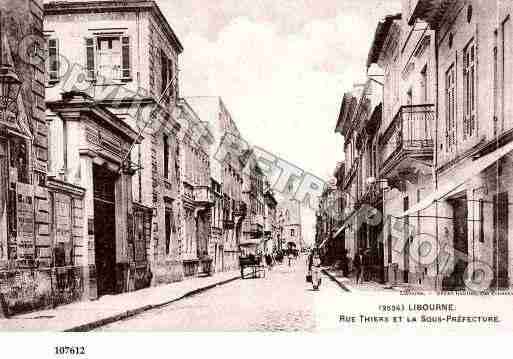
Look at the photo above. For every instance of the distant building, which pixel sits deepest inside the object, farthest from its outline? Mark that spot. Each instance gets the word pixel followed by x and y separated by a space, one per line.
pixel 229 208
pixel 290 210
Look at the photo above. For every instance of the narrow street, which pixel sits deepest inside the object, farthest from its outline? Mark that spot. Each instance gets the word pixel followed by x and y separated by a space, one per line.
pixel 282 301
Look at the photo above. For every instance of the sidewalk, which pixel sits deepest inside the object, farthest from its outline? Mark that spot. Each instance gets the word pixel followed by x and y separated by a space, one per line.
pixel 349 285
pixel 85 316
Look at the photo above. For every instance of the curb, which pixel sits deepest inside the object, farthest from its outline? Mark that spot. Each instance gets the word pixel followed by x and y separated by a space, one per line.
pixel 332 277
pixel 133 312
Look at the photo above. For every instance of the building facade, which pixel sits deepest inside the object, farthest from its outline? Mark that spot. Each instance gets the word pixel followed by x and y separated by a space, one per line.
pixel 125 57
pixel 405 54
pixel 229 208
pixel 472 139
pixel 359 121
pixel 27 243
pixel 253 240
pixel 197 196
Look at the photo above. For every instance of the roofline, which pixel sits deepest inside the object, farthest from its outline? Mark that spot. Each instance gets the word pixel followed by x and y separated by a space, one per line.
pixel 380 35
pixel 64 7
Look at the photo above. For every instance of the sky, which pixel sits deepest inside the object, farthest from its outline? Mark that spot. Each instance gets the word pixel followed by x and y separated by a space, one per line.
pixel 281 67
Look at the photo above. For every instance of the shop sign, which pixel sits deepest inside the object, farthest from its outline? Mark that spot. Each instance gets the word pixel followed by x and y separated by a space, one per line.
pixel 62 218
pixel 25 220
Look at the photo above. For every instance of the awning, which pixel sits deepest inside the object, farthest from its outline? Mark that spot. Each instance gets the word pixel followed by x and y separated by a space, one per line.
pixel 460 178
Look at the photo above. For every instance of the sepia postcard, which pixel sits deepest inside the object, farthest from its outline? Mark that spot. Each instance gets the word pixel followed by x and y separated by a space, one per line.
pixel 337 167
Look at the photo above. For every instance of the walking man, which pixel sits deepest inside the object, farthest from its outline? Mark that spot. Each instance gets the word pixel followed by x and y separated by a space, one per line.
pixel 358 265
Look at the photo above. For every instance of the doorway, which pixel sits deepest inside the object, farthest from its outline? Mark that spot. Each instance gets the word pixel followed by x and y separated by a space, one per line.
pixel 460 223
pixel 105 229
pixel 500 241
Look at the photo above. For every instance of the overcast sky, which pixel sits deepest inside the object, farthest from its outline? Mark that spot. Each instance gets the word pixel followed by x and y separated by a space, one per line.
pixel 282 67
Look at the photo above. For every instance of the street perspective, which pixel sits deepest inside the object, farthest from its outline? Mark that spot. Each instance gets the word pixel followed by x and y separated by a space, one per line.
pixel 341 166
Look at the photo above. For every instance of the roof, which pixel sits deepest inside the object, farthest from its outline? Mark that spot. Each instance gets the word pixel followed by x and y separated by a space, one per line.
pixel 379 38
pixel 67 7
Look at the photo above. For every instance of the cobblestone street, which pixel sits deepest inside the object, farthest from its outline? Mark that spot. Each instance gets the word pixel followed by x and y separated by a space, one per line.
pixel 282 301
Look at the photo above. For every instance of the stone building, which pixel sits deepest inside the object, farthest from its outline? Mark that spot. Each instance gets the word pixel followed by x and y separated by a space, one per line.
pixel 272 228
pixel 329 235
pixel 359 120
pixel 197 194
pixel 27 242
pixel 252 239
pixel 405 54
pixel 227 164
pixel 290 210
pixel 472 162
pixel 124 55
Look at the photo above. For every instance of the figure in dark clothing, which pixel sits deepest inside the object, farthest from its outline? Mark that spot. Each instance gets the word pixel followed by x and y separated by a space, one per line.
pixel 358 263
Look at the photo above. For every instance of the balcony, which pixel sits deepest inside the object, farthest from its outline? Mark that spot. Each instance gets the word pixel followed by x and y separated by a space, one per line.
pixel 408 141
pixel 203 196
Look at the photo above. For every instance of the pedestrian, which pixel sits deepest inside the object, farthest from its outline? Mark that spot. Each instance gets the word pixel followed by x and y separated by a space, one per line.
pixel 358 266
pixel 291 257
pixel 269 261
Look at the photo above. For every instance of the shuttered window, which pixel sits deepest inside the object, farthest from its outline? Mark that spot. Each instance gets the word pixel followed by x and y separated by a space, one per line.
pixel 469 90
pixel 53 60
pixel 450 108
pixel 125 60
pixel 108 57
pixel 164 75
pixel 90 59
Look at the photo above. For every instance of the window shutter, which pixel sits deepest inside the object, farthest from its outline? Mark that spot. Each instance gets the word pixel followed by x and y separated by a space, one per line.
pixel 171 77
pixel 163 63
pixel 90 59
pixel 53 60
pixel 125 58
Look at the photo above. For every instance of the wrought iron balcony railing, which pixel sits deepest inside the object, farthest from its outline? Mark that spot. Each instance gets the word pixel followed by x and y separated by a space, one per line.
pixel 203 195
pixel 410 131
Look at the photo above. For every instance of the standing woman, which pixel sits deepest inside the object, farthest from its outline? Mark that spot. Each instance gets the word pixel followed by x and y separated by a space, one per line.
pixel 316 269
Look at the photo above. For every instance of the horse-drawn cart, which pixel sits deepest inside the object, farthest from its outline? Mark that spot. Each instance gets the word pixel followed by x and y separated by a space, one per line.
pixel 251 267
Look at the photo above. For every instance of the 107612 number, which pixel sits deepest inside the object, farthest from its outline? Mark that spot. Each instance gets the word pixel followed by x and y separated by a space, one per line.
pixel 69 350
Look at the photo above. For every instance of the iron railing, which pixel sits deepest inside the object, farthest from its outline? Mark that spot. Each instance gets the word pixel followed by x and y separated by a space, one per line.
pixel 411 129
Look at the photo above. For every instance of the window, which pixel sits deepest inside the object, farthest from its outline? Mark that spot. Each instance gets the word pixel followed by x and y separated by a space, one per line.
pixel 168 229
pixel 469 90
pixel 481 220
pixel 108 57
pixel 166 157
pixel 292 232
pixel 424 85
pixel 167 74
pixel 450 108
pixel 53 64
